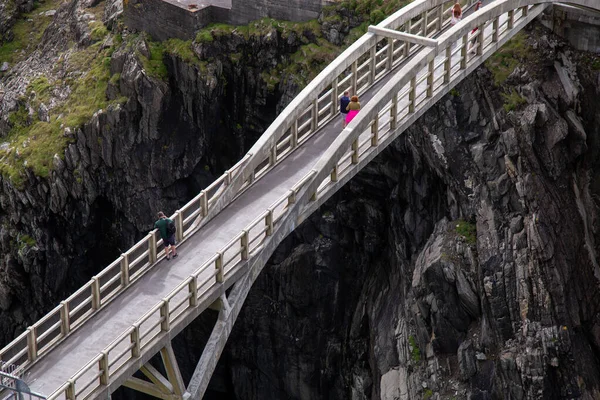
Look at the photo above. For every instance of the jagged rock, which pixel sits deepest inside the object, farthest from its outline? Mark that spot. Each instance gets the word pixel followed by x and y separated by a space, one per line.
pixel 466 360
pixel 4 67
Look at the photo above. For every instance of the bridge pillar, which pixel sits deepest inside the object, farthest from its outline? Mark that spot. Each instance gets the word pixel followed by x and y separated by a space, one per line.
pixel 157 385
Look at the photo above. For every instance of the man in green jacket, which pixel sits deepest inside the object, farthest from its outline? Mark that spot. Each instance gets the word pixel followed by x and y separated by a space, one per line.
pixel 166 227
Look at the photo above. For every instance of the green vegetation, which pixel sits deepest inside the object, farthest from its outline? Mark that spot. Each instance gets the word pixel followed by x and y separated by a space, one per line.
pixel 34 143
pixel 154 65
pixel 596 64
pixel 25 241
pixel 504 61
pixel 467 230
pixel 513 100
pixel 97 31
pixel 28 31
pixel 427 394
pixel 414 349
pixel 454 92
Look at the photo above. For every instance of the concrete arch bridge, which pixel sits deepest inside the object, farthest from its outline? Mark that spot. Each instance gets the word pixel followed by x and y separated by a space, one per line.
pixel 94 341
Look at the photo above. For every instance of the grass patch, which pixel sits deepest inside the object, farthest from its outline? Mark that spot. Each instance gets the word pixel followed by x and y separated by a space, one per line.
pixel 97 31
pixel 28 31
pixel 26 241
pixel 183 50
pixel 467 230
pixel 155 64
pixel 415 352
pixel 513 100
pixel 427 394
pixel 34 143
pixel 503 62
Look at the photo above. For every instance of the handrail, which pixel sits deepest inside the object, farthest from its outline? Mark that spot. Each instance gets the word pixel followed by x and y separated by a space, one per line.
pixel 222 191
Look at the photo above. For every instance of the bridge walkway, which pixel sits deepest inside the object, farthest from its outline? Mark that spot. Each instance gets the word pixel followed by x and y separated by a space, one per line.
pixel 50 372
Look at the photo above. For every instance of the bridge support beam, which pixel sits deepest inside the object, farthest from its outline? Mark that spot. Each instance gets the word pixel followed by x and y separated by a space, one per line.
pixel 170 387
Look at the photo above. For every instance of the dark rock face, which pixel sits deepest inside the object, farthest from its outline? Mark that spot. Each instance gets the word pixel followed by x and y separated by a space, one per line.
pixel 379 295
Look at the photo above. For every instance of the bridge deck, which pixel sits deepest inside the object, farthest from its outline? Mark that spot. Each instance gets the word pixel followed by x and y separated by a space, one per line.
pixel 89 340
pixel 82 345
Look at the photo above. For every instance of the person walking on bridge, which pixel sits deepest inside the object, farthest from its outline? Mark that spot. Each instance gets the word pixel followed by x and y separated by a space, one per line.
pixel 353 108
pixel 344 101
pixel 167 229
pixel 456 13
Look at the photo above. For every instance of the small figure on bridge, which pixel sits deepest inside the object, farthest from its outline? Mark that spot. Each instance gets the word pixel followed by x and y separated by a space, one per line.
pixel 456 13
pixel 344 101
pixel 475 40
pixel 167 229
pixel 353 108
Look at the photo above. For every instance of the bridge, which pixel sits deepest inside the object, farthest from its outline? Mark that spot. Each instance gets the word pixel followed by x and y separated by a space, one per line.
pixel 97 339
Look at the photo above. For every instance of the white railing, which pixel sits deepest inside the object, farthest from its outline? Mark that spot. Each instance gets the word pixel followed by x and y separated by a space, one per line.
pixel 357 69
pixel 408 96
pixel 42 336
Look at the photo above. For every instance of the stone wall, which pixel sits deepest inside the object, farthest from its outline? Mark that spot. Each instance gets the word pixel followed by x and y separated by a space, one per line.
pixel 163 19
pixel 244 11
pixel 581 27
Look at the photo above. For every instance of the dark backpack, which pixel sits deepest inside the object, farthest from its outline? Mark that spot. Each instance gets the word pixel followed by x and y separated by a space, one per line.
pixel 171 229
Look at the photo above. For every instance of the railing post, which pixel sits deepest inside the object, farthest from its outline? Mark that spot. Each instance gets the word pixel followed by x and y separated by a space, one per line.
pixel 440 17
pixel 179 225
pixel 412 98
pixel 151 248
pixel 448 64
pixel 244 244
pixel 525 10
pixel 227 178
pixel 165 324
pixel 314 121
pixel 203 203
pixel 495 26
pixel 124 270
pixel 334 96
pixel 372 64
pixel 424 24
pixel 32 350
pixel 355 151
pixel 389 62
pixel 354 77
pixel 96 299
pixel 193 288
pixel 273 155
pixel 103 366
pixel 295 134
pixel 65 321
pixel 463 52
pixel 394 112
pixel 511 19
pixel 70 392
pixel 481 39
pixel 135 340
pixel 334 173
pixel 375 131
pixel 219 267
pixel 291 197
pixel 430 78
pixel 269 222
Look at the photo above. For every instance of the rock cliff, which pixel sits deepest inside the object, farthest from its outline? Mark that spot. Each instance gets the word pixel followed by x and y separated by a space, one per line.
pixel 461 263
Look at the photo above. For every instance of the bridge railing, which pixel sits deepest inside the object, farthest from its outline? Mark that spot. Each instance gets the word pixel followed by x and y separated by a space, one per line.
pixel 176 305
pixel 41 337
pixel 422 81
pixel 358 68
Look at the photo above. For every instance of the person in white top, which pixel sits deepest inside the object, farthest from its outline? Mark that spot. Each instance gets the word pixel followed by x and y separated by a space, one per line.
pixel 456 13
